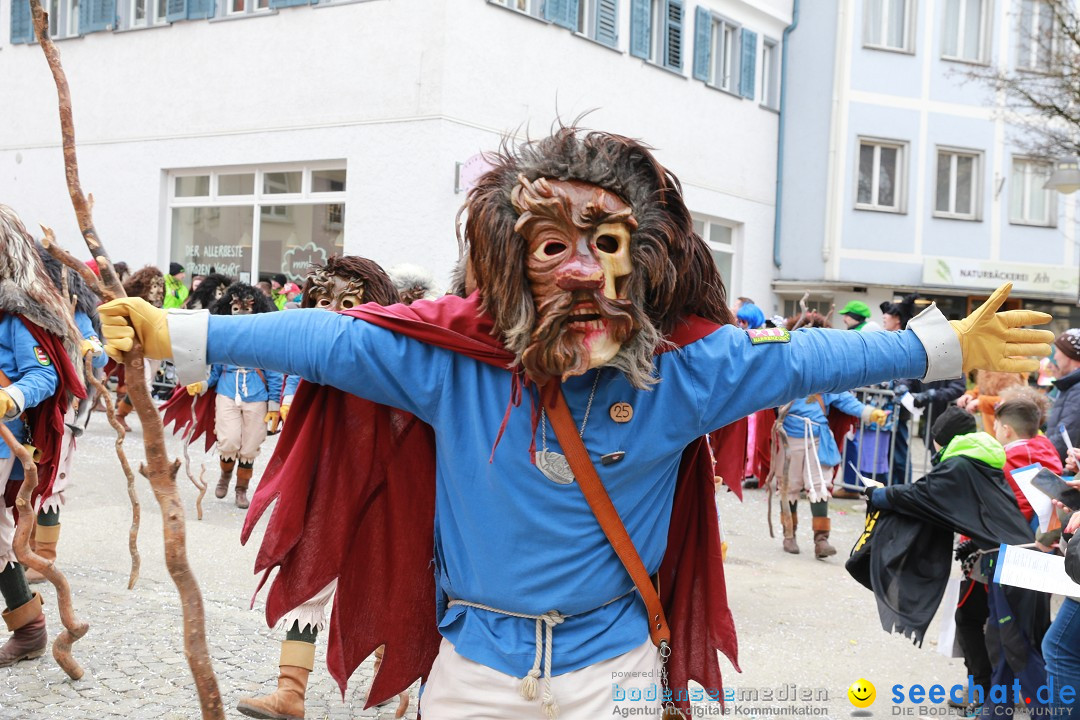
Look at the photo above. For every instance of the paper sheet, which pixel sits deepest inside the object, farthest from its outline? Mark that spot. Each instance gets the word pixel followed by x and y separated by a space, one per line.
pixel 1034 570
pixel 1040 501
pixel 908 401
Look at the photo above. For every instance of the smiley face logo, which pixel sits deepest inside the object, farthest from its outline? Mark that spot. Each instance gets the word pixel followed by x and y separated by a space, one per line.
pixel 862 693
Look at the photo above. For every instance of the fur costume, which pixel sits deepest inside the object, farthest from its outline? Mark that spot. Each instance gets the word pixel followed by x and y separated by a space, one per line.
pixel 366 274
pixel 147 283
pixel 204 296
pixel 413 283
pixel 86 300
pixel 242 291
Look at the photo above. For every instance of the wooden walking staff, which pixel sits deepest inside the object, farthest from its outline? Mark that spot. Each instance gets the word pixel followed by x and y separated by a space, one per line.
pixel 73 627
pixel 161 473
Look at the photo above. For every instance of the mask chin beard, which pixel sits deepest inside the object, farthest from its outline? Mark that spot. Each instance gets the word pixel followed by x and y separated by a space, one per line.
pixel 557 350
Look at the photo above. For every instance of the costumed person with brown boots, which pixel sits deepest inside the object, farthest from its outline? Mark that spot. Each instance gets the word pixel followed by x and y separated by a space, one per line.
pixel 544 421
pixel 811 456
pixel 247 399
pixel 148 284
pixel 39 345
pixel 47 531
pixel 342 283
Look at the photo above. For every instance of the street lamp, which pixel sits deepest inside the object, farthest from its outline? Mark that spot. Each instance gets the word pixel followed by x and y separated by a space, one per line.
pixel 1066 176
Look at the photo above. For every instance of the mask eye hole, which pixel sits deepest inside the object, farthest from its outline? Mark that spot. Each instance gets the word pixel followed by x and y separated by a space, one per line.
pixel 553 247
pixel 607 243
pixel 350 302
pixel 323 302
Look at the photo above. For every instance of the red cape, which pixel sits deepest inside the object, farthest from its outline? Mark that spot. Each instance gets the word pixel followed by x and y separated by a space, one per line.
pixel 182 410
pixel 46 420
pixel 363 512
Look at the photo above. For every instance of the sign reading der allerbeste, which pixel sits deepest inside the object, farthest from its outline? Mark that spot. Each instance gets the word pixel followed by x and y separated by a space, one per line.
pixel 989 274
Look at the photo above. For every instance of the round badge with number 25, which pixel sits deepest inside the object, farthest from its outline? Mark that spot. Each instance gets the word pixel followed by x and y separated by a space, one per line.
pixel 621 412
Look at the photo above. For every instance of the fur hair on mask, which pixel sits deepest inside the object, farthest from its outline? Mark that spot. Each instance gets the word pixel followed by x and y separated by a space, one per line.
pixel 86 300
pixel 204 296
pixel 377 285
pixel 243 291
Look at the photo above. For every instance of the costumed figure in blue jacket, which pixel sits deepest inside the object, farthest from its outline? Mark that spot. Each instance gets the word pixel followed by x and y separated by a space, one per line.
pixel 342 283
pixel 595 299
pixel 810 456
pixel 39 345
pixel 47 531
pixel 248 398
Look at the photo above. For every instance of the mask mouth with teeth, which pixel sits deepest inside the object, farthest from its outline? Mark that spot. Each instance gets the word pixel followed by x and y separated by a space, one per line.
pixel 584 255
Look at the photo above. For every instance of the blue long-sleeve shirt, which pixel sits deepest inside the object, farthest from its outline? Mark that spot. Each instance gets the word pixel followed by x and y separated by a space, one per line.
pixel 86 328
pixel 245 384
pixel 32 374
pixel 505 535
pixel 291 383
pixel 810 409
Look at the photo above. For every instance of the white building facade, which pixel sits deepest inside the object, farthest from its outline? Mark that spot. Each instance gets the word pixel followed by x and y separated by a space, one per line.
pixel 256 136
pixel 901 174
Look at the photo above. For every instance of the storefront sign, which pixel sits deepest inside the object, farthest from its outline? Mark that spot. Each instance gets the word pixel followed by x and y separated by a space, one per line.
pixel 227 259
pixel 987 274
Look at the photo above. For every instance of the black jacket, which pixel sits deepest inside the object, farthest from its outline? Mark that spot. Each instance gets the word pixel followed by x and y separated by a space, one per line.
pixel 1066 410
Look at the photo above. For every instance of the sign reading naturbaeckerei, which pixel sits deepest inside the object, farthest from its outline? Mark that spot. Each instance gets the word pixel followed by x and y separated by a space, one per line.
pixel 989 274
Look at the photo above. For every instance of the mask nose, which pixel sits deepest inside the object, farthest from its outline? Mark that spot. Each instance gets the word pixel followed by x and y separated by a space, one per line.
pixel 580 272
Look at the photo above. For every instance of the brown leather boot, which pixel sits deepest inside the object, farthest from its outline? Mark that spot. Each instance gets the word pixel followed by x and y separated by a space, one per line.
pixel 287 702
pixel 44 544
pixel 790 546
pixel 29 637
pixel 222 488
pixel 822 548
pixel 243 478
pixel 123 409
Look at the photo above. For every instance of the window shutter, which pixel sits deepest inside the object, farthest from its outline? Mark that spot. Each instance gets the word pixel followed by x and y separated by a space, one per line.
pixel 96 15
pixel 563 13
pixel 287 3
pixel 748 65
pixel 607 22
pixel 673 22
pixel 702 43
pixel 22 26
pixel 640 30
pixel 200 9
pixel 175 10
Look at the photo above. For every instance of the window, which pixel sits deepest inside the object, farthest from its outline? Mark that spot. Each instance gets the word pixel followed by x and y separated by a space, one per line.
pixel 251 223
pixel 529 7
pixel 63 17
pixel 1039 36
pixel 725 55
pixel 241 7
pixel 881 176
pixel 656 32
pixel 147 13
pixel 967 31
pixel 719 238
pixel 959 177
pixel 770 74
pixel 1029 202
pixel 887 24
pixel 724 50
pixel 599 20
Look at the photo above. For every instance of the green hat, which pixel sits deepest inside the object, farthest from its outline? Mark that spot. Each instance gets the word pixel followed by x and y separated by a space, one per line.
pixel 856 307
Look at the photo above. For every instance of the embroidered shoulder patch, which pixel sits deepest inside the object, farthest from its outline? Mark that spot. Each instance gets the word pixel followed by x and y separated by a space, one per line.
pixel 42 358
pixel 768 335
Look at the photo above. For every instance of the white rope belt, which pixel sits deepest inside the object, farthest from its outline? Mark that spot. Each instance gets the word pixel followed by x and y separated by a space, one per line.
pixel 545 624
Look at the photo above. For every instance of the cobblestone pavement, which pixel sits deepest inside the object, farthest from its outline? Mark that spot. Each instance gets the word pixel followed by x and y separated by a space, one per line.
pixel 800 621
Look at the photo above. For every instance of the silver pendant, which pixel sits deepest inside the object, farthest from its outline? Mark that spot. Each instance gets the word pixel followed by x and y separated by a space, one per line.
pixel 554 466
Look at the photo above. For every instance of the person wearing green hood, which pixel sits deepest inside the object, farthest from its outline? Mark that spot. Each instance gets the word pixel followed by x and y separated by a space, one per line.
pixel 176 291
pixel 856 315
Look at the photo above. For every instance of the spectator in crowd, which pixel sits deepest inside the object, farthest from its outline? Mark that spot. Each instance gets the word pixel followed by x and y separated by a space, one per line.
pixel 266 289
pixel 1066 409
pixel 1061 646
pixel 750 317
pixel 856 315
pixel 176 291
pixel 277 290
pixel 196 281
pixel 739 302
pixel 122 271
pixel 987 392
pixel 1016 426
pixel 292 293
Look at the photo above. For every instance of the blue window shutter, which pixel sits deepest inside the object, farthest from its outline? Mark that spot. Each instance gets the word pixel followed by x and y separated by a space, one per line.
pixel 640 30
pixel 563 13
pixel 200 9
pixel 175 10
pixel 702 43
pixel 96 15
pixel 607 22
pixel 748 65
pixel 673 45
pixel 287 3
pixel 22 26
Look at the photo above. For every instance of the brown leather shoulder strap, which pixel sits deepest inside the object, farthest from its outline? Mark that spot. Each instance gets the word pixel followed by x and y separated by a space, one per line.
pixel 606 514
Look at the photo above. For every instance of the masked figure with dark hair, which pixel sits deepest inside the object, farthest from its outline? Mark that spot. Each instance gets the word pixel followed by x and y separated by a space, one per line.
pixel 210 290
pixel 343 283
pixel 595 300
pixel 39 346
pixel 149 284
pixel 246 401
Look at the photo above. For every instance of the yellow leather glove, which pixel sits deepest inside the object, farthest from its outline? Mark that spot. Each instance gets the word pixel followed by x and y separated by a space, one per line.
pixel 6 404
pixel 196 388
pixel 992 340
pixel 878 416
pixel 273 419
pixel 285 412
pixel 125 320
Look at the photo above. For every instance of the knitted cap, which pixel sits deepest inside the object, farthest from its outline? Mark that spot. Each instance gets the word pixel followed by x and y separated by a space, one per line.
pixel 1068 342
pixel 175 268
pixel 951 423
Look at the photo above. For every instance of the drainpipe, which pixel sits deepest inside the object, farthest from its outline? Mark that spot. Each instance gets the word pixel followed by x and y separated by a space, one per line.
pixel 780 144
